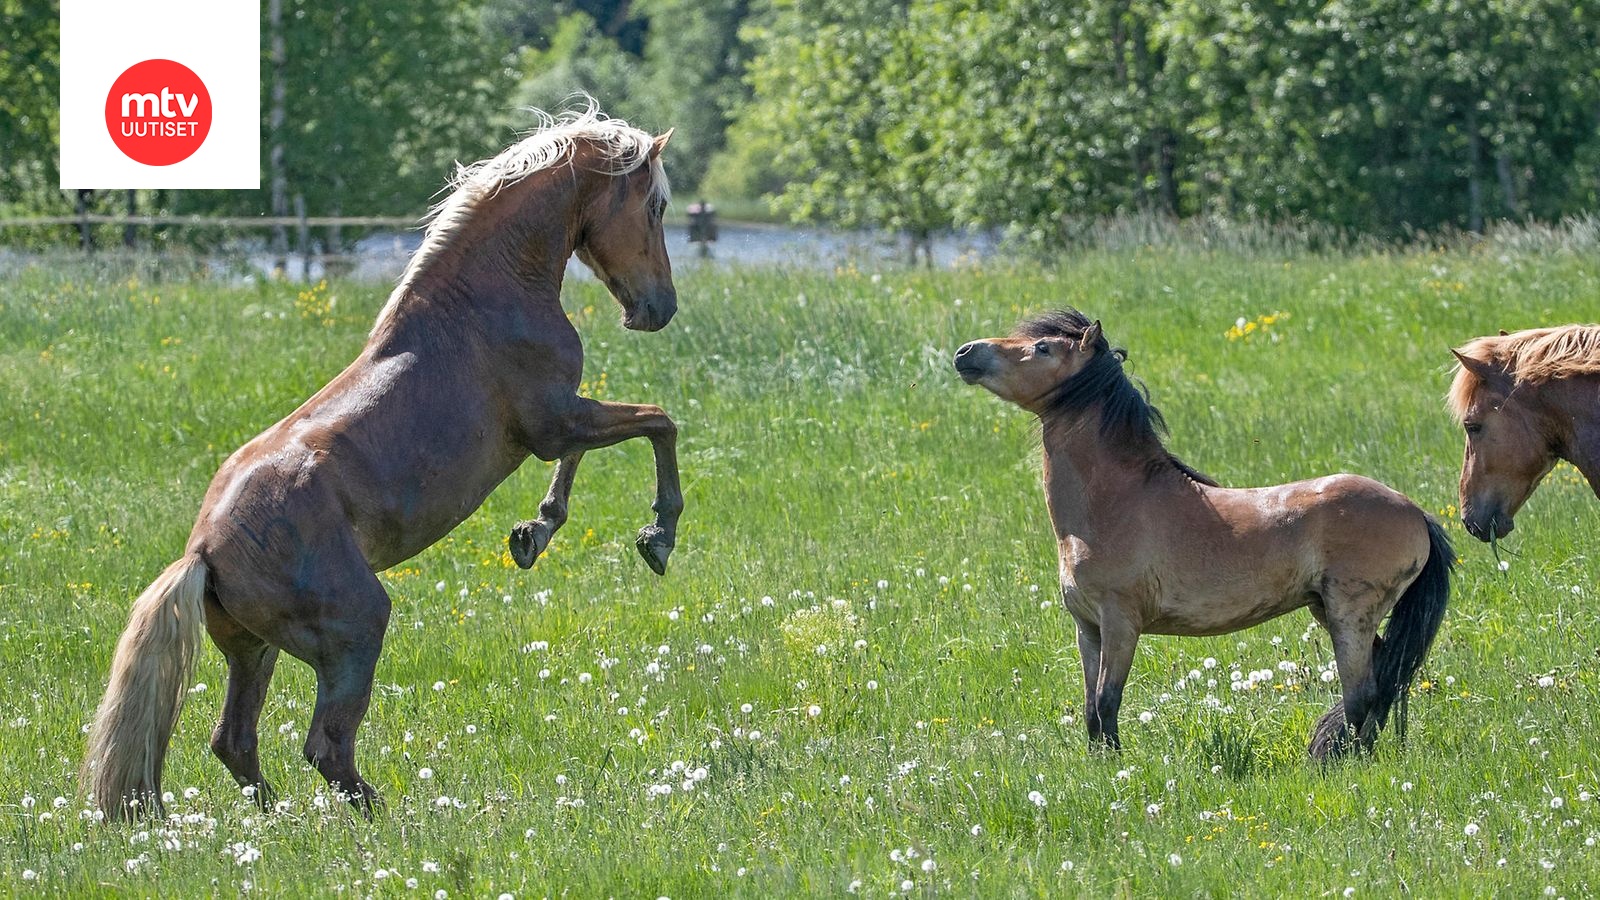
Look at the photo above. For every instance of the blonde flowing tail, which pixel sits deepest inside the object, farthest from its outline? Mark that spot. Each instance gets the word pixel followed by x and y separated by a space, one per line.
pixel 149 677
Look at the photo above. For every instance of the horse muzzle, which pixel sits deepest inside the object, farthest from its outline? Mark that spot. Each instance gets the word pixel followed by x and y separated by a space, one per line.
pixel 1491 527
pixel 652 314
pixel 972 361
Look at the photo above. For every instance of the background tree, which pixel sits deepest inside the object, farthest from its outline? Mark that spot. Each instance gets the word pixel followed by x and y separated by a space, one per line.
pixel 30 42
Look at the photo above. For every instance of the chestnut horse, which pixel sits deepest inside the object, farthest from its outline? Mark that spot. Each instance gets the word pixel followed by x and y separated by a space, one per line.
pixel 471 367
pixel 1525 400
pixel 1150 546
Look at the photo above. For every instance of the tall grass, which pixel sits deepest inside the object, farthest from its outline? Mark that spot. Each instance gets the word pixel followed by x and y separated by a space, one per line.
pixel 857 641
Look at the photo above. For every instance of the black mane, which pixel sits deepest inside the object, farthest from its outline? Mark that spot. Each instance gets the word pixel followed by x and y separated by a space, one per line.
pixel 1126 414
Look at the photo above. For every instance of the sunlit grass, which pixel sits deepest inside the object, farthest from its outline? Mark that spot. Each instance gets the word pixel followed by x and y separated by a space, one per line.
pixel 855 669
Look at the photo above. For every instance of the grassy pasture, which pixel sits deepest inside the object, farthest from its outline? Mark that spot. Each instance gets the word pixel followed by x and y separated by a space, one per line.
pixel 844 492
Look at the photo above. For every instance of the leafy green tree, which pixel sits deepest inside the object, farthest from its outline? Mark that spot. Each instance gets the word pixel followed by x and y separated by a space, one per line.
pixel 579 58
pixel 835 79
pixel 694 64
pixel 29 74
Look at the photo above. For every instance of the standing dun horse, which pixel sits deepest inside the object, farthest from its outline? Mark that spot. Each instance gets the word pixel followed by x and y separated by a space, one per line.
pixel 1525 400
pixel 471 367
pixel 1150 546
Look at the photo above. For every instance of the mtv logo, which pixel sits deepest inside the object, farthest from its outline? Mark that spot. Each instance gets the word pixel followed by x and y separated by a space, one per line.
pixel 160 94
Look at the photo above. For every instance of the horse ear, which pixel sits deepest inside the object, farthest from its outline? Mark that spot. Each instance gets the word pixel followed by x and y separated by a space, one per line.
pixel 660 143
pixel 1486 371
pixel 1504 332
pixel 1091 336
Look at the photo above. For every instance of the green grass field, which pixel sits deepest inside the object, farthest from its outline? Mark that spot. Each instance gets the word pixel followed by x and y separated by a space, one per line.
pixel 852 676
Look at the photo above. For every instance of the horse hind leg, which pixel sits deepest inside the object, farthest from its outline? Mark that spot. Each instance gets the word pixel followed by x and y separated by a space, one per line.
pixel 349 637
pixel 329 611
pixel 250 664
pixel 344 689
pixel 1352 723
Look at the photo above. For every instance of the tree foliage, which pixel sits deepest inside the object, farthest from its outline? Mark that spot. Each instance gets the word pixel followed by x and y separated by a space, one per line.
pixel 1377 116
pixel 30 41
pixel 381 97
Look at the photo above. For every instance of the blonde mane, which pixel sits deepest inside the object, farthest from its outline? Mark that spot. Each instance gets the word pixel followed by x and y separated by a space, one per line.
pixel 1527 357
pixel 619 149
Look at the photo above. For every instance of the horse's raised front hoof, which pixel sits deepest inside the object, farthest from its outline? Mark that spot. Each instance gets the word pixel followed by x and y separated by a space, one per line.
pixel 655 545
pixel 528 540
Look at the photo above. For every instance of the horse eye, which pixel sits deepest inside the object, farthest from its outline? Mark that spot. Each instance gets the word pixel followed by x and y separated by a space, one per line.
pixel 1041 349
pixel 1473 427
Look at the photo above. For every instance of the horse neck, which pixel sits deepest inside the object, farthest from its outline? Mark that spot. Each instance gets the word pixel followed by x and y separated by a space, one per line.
pixel 1571 407
pixel 502 267
pixel 1088 475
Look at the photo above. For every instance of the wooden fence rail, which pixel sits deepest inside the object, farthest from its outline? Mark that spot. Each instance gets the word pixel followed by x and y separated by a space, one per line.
pixel 281 253
pixel 218 221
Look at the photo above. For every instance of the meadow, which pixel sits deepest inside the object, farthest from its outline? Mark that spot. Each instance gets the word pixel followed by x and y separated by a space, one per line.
pixel 855 676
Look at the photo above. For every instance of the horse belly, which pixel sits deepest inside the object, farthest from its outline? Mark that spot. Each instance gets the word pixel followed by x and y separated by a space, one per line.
pixel 1205 616
pixel 413 514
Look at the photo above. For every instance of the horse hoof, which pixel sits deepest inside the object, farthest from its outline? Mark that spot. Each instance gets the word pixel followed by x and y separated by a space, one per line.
pixel 1331 737
pixel 655 545
pixel 528 540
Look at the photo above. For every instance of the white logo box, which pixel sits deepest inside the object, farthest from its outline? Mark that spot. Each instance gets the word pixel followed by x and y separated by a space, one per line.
pixel 220 40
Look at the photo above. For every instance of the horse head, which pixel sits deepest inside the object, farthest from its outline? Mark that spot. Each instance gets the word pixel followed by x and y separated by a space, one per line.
pixel 620 238
pixel 1507 449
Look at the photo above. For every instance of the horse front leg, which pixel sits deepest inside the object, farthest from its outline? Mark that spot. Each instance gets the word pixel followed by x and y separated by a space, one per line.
pixel 530 537
pixel 594 424
pixel 1089 655
pixel 1117 643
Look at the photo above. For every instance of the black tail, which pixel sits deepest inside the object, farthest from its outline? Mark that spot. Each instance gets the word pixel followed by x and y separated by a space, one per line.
pixel 1412 627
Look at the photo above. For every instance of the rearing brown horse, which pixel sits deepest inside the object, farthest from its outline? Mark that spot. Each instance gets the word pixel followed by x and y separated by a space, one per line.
pixel 471 367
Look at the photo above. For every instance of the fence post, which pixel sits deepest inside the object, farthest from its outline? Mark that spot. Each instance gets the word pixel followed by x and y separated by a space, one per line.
pixel 130 231
pixel 304 237
pixel 85 235
pixel 275 117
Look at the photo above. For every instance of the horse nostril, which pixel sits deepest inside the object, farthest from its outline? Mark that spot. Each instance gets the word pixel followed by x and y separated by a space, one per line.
pixel 965 349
